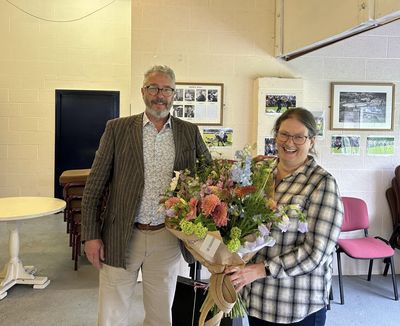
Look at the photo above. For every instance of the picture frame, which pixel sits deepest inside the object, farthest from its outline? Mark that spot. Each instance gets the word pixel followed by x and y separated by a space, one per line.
pixel 362 106
pixel 199 103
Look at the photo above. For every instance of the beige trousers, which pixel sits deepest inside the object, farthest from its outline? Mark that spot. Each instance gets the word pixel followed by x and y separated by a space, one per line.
pixel 158 253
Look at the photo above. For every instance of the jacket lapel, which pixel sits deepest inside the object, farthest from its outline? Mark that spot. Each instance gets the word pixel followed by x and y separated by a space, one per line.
pixel 178 139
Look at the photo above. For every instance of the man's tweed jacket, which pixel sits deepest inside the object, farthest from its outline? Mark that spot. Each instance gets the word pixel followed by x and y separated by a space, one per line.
pixel 118 164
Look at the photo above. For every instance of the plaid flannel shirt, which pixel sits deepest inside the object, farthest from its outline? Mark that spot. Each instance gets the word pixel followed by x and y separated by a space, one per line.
pixel 300 264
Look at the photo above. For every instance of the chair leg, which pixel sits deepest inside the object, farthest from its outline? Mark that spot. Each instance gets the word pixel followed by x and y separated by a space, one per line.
pixel 371 263
pixel 330 298
pixel 386 261
pixel 77 251
pixel 340 278
pixel 396 293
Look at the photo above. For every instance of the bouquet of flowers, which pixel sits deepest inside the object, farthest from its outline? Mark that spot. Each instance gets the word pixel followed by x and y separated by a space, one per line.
pixel 224 214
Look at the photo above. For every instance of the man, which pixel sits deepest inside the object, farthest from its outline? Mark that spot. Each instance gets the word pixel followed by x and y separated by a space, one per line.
pixel 135 161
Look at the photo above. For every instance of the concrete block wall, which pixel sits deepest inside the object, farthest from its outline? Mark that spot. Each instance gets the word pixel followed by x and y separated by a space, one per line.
pixel 38 57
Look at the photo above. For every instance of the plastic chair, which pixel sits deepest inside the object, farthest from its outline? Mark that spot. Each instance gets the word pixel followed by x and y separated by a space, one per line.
pixel 356 218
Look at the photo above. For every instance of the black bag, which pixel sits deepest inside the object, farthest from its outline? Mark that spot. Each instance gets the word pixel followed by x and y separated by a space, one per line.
pixel 188 300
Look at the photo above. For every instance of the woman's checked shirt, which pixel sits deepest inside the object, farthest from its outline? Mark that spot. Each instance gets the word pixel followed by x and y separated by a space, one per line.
pixel 300 264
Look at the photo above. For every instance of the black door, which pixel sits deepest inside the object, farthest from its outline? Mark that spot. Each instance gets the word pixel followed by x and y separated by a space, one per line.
pixel 81 117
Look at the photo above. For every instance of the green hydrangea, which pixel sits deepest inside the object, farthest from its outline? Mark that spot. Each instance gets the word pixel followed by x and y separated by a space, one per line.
pixel 233 245
pixel 200 230
pixel 187 227
pixel 236 233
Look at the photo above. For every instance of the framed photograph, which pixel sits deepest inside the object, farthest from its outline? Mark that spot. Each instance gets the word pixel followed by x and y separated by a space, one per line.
pixel 200 103
pixel 362 106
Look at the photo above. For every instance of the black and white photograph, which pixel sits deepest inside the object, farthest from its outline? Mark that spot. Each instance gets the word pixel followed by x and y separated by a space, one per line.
pixel 188 111
pixel 201 95
pixel 177 111
pixel 212 95
pixel 178 96
pixel 270 146
pixel 189 94
pixel 279 103
pixel 199 103
pixel 362 106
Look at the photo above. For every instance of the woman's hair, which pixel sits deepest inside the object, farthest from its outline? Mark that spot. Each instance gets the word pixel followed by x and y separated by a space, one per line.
pixel 160 69
pixel 302 115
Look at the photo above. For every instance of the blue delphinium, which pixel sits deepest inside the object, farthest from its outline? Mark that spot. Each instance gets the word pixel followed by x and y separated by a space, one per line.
pixel 241 170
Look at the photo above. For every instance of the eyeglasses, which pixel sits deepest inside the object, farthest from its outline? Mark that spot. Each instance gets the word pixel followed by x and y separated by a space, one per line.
pixel 298 140
pixel 154 90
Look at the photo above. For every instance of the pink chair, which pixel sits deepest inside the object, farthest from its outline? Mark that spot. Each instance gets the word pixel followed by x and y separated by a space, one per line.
pixel 356 218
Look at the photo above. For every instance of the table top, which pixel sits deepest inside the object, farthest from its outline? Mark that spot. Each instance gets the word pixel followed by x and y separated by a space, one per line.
pixel 22 208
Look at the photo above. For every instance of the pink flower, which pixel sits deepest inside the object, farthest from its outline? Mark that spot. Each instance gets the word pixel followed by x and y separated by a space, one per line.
pixel 220 214
pixel 209 203
pixel 192 209
pixel 171 202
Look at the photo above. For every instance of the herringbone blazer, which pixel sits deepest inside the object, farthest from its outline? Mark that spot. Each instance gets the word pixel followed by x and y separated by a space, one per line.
pixel 118 165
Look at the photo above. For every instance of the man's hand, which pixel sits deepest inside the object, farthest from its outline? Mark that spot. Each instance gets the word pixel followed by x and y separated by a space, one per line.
pixel 94 250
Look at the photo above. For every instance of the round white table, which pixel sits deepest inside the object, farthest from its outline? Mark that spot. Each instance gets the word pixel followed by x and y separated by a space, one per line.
pixel 13 210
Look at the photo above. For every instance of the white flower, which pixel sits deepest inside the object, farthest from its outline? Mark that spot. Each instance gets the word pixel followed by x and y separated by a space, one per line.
pixel 174 181
pixel 284 225
pixel 263 230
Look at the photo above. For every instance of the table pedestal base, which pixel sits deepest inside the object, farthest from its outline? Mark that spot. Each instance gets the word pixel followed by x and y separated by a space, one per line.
pixel 15 273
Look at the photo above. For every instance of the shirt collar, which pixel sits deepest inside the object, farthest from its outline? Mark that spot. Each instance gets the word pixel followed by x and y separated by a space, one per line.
pixel 146 121
pixel 305 169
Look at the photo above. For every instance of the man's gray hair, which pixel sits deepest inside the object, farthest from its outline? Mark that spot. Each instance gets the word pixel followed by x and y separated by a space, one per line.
pixel 163 69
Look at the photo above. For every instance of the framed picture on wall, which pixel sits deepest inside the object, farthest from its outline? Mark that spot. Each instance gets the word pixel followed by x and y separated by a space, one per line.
pixel 362 106
pixel 200 103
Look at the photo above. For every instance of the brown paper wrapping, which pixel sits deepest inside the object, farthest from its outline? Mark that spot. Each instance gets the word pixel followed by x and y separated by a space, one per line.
pixel 221 291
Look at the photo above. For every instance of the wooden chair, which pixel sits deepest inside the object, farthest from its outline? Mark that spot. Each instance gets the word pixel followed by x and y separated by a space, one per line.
pixel 73 182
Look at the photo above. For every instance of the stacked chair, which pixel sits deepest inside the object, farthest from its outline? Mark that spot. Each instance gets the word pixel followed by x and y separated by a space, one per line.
pixel 73 183
pixel 393 198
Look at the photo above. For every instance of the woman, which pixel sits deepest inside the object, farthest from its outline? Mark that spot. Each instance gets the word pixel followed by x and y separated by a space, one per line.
pixel 289 283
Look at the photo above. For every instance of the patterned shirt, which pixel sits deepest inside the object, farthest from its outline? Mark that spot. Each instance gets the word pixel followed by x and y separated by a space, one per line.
pixel 300 263
pixel 158 156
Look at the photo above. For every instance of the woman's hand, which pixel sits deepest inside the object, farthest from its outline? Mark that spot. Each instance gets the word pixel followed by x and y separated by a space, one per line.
pixel 241 276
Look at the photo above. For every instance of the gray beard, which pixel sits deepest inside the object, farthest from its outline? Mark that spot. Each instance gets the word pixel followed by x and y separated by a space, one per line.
pixel 158 114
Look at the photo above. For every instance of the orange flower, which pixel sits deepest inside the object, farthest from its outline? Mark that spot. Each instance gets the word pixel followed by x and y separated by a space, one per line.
pixel 171 202
pixel 192 209
pixel 243 191
pixel 209 203
pixel 220 214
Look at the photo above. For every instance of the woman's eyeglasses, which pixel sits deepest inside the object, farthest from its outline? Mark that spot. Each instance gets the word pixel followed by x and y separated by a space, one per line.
pixel 284 137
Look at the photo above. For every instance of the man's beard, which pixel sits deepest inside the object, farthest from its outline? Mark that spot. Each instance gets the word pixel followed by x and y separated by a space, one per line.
pixel 156 113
